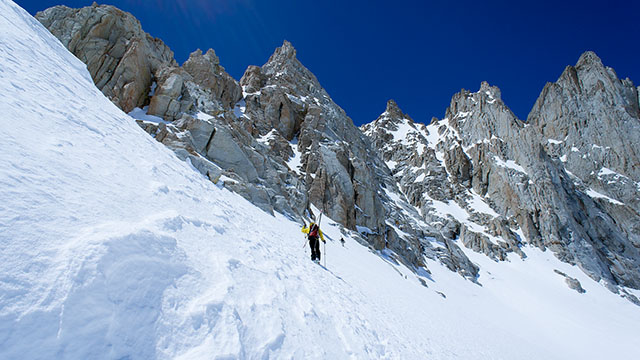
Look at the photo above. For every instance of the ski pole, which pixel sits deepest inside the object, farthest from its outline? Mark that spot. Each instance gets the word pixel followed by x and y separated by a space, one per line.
pixel 325 253
pixel 305 225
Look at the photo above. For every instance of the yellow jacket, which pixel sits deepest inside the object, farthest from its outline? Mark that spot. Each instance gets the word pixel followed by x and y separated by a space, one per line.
pixel 306 230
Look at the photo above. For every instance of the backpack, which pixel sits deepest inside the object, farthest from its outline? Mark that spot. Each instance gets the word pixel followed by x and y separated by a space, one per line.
pixel 313 231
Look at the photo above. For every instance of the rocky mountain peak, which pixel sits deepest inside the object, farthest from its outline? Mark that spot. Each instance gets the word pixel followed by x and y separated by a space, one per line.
pixel 588 121
pixel 589 75
pixel 391 121
pixel 490 91
pixel 466 101
pixel 487 114
pixel 121 58
pixel 284 70
pixel 589 58
pixel 205 69
pixel 282 55
pixel 391 105
pixel 287 49
pixel 209 57
pixel 393 110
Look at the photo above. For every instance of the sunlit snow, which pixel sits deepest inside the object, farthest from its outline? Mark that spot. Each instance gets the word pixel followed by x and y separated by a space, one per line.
pixel 509 164
pixel 141 114
pixel 295 162
pixel 596 195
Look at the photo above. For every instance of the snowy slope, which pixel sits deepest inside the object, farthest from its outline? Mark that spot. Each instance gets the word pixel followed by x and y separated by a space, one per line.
pixel 111 247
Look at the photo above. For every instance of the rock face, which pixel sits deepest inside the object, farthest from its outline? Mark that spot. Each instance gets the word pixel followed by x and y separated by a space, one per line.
pixel 433 166
pixel 121 58
pixel 502 182
pixel 589 121
pixel 292 102
pixel 567 179
pixel 342 175
pixel 201 84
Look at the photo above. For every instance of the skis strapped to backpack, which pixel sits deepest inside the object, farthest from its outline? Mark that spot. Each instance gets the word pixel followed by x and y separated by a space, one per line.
pixel 311 228
pixel 313 231
pixel 324 243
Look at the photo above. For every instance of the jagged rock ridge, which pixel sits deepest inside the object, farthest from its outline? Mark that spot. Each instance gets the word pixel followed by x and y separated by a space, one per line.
pixel 519 176
pixel 121 58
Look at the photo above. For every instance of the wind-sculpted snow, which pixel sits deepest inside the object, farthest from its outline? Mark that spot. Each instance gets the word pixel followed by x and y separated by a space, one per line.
pixel 112 247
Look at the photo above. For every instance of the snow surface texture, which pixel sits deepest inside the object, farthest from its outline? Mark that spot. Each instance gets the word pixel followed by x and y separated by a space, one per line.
pixel 111 247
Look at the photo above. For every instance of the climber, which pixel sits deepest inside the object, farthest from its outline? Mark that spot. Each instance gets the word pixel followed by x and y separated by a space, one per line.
pixel 314 233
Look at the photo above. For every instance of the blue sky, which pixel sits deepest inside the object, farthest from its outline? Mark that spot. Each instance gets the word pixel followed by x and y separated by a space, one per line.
pixel 419 53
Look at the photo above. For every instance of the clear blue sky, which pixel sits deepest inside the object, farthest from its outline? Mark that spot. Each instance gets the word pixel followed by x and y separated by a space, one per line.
pixel 417 52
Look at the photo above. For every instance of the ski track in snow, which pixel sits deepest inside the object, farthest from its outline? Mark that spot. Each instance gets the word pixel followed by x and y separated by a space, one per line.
pixel 111 247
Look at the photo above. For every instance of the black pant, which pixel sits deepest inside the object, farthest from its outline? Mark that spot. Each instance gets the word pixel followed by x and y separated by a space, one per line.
pixel 314 243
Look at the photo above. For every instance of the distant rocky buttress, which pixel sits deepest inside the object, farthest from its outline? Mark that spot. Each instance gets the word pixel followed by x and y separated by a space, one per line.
pixel 567 179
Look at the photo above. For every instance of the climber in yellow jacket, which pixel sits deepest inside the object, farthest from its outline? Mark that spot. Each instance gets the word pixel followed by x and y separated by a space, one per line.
pixel 314 234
